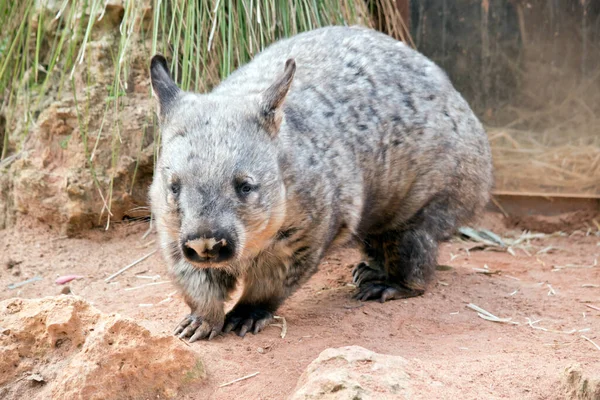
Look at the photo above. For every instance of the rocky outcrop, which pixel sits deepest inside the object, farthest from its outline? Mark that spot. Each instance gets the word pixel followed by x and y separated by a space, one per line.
pixel 579 385
pixel 63 348
pixel 86 154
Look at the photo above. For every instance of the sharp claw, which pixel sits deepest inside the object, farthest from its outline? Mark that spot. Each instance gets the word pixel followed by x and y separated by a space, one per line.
pixel 246 327
pixel 185 322
pixel 385 295
pixel 182 325
pixel 195 337
pixel 228 328
pixel 213 334
pixel 260 325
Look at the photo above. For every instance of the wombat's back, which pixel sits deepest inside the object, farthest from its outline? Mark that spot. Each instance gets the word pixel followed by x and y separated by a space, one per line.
pixel 382 120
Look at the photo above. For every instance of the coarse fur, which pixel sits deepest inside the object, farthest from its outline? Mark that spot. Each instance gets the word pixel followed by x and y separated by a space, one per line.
pixel 334 136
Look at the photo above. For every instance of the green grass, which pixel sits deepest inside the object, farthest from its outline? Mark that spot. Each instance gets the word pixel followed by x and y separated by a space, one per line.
pixel 43 50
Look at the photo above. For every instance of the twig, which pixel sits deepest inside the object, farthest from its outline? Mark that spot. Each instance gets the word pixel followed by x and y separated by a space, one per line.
pixel 559 267
pixel 593 307
pixel 486 271
pixel 545 250
pixel 283 326
pixel 23 283
pixel 591 341
pixel 139 260
pixel 149 231
pixel 168 298
pixel 147 244
pixel 531 324
pixel 497 204
pixel 239 379
pixel 489 316
pixel 153 277
pixel 146 285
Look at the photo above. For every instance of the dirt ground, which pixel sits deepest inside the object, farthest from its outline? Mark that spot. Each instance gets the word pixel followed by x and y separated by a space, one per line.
pixel 471 356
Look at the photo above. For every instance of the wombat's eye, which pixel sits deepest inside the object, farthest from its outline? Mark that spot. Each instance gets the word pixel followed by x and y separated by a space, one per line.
pixel 245 188
pixel 175 187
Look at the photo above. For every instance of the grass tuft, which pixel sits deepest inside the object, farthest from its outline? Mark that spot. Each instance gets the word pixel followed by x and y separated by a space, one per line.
pixel 46 55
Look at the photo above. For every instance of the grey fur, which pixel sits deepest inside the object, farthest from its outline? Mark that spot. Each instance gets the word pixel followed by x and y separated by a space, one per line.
pixel 372 145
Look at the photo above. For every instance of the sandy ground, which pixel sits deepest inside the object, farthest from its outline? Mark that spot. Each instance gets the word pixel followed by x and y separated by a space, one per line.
pixel 471 356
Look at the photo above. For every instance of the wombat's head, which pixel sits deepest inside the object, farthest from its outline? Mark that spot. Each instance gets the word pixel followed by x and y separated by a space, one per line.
pixel 218 194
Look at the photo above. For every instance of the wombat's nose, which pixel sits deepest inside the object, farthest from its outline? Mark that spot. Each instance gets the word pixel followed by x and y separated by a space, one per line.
pixel 207 247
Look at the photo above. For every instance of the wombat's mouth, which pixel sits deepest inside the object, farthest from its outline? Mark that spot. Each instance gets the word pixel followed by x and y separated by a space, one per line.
pixel 210 264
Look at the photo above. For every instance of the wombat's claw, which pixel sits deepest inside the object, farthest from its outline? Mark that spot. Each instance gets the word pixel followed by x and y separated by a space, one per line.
pixel 363 273
pixel 384 292
pixel 196 328
pixel 246 318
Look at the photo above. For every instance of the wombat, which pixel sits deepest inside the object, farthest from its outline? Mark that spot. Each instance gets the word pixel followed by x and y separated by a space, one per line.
pixel 340 135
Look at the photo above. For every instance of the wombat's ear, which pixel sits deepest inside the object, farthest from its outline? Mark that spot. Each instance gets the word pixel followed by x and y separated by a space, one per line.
pixel 163 87
pixel 272 98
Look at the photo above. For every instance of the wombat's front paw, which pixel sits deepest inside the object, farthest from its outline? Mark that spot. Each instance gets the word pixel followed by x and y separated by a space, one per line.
pixel 383 292
pixel 196 327
pixel 244 318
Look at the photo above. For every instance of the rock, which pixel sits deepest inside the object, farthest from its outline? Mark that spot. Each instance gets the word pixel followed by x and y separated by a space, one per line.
pixel 76 156
pixel 81 353
pixel 579 386
pixel 354 373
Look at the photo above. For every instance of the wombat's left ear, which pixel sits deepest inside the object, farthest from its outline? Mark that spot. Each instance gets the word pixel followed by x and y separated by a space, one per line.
pixel 272 98
pixel 164 88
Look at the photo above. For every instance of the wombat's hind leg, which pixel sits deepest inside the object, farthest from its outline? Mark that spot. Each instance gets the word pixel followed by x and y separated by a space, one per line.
pixel 373 285
pixel 402 262
pixel 409 261
pixel 371 270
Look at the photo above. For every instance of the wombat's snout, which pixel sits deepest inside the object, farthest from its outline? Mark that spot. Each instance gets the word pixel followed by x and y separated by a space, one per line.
pixel 208 247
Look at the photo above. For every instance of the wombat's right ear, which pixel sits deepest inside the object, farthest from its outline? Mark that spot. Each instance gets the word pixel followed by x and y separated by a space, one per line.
pixel 163 87
pixel 273 98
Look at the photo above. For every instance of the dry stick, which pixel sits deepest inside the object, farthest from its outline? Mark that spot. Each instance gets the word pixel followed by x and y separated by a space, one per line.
pixel 146 285
pixel 239 379
pixel 168 298
pixel 559 267
pixel 593 307
pixel 489 316
pixel 497 204
pixel 532 325
pixel 283 325
pixel 119 272
pixel 591 341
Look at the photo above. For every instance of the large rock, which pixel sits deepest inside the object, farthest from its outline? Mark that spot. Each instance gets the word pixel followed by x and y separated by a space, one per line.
pixel 79 160
pixel 579 386
pixel 354 373
pixel 63 348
